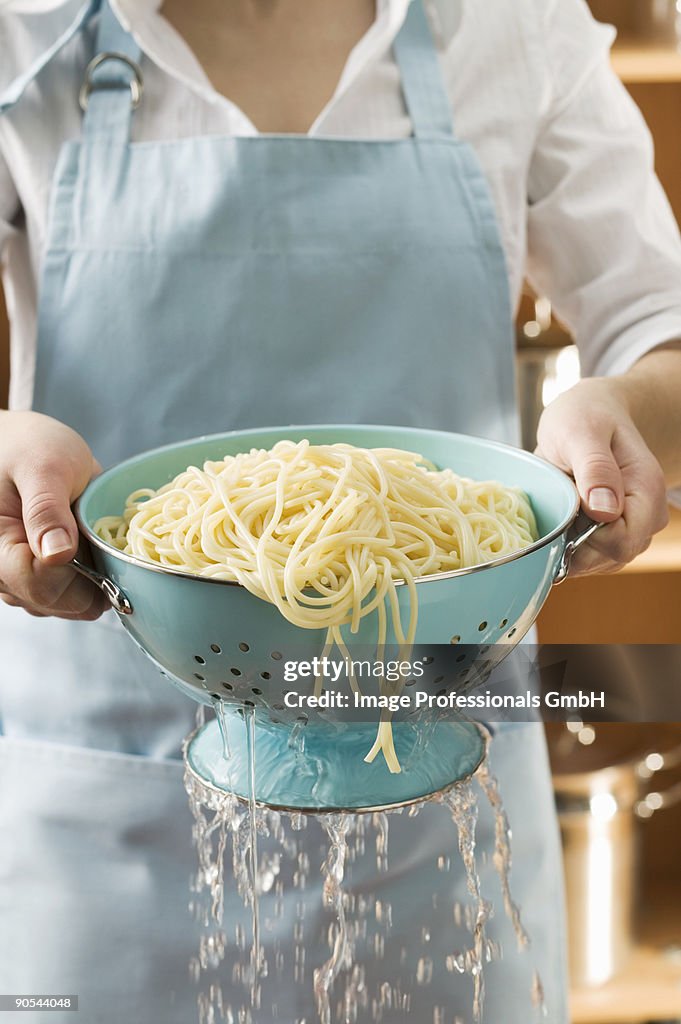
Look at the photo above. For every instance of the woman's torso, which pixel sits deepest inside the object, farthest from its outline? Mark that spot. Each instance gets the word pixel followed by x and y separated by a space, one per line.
pixel 500 114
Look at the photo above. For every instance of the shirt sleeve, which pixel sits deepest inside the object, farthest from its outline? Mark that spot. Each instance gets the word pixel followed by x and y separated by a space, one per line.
pixel 603 243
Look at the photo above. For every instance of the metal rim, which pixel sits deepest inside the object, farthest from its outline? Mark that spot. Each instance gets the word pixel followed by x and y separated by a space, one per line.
pixel 375 809
pixel 542 542
pixel 136 83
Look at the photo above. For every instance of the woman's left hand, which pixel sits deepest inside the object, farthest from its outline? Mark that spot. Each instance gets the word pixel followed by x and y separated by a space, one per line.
pixel 589 433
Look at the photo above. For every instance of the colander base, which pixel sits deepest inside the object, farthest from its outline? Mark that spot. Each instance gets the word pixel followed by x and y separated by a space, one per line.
pixel 321 768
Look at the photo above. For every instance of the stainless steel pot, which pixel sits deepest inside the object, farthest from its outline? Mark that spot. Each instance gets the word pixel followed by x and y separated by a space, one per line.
pixel 598 812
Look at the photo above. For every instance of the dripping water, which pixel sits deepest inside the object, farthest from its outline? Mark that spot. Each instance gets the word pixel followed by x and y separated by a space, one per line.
pixel 336 827
pixel 221 715
pixel 249 718
pixel 537 995
pixel 502 849
pixel 462 803
pixel 339 986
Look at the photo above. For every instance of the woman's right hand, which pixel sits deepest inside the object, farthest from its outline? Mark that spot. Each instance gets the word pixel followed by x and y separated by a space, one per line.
pixel 44 467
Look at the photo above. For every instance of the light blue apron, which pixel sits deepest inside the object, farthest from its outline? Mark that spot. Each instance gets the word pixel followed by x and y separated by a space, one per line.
pixel 189 287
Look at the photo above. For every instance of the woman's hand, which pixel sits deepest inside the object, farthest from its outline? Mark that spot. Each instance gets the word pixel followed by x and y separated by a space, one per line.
pixel 44 466
pixel 589 432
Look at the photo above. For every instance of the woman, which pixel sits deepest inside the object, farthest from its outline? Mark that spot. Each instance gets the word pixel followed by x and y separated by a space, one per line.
pixel 236 239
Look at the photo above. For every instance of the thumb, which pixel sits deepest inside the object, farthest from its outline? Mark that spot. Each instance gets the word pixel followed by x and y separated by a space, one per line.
pixel 51 529
pixel 598 478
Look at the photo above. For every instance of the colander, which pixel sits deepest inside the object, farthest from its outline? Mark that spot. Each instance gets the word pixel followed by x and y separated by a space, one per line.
pixel 222 646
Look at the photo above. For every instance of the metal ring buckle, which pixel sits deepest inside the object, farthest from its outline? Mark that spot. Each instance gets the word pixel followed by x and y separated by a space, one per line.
pixel 136 84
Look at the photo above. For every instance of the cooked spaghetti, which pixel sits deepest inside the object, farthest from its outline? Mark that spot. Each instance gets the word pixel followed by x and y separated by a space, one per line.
pixel 325 532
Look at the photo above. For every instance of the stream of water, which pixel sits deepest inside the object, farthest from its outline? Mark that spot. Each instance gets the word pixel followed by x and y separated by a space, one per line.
pixel 279 931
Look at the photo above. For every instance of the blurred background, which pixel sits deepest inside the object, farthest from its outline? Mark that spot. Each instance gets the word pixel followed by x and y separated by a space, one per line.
pixel 618 786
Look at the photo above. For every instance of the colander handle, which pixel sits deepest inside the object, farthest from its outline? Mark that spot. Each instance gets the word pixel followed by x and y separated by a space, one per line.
pixel 119 600
pixel 580 531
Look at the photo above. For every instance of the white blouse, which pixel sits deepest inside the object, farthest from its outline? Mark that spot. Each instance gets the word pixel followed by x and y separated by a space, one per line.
pixel 566 152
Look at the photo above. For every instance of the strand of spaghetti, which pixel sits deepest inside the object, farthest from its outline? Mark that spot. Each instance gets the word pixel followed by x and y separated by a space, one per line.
pixel 337 637
pixel 385 740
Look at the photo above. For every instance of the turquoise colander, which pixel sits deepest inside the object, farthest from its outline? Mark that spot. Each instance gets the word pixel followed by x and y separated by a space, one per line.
pixel 222 646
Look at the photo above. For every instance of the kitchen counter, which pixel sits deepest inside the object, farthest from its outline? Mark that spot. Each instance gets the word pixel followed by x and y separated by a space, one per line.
pixel 650 987
pixel 649 990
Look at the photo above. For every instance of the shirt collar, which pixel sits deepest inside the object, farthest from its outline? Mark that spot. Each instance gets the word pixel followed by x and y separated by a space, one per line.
pixel 162 44
pixel 159 41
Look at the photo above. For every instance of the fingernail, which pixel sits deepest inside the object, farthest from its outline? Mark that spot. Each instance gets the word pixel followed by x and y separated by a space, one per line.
pixel 54 542
pixel 602 499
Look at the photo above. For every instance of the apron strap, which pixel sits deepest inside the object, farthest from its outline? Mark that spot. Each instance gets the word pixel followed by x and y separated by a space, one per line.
pixel 113 84
pixel 422 82
pixel 13 93
pixel 113 81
